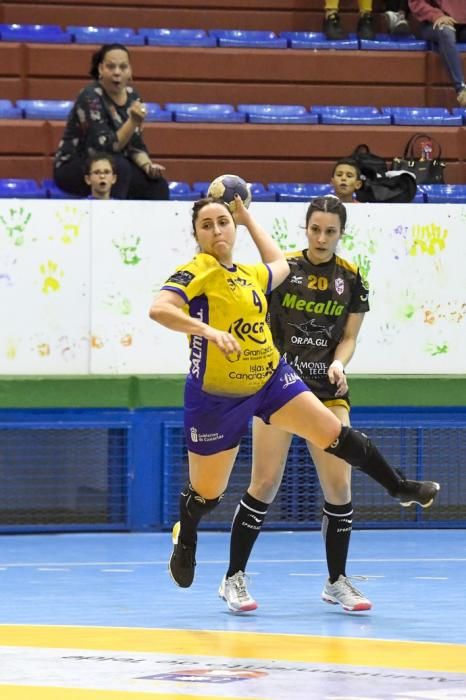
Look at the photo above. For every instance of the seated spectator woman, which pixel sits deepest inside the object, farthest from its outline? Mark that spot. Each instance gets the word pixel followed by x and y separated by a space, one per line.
pixel 444 23
pixel 107 116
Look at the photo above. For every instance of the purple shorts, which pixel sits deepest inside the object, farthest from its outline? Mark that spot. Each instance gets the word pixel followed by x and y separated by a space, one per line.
pixel 216 423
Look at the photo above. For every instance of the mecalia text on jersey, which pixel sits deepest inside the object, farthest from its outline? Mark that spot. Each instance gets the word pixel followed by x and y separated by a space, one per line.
pixel 328 308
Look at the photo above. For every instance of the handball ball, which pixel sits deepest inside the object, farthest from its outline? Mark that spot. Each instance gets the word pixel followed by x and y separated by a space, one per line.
pixel 225 187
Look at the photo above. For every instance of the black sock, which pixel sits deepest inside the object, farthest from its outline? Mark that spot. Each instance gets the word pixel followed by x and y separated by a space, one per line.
pixel 358 450
pixel 192 508
pixel 245 528
pixel 337 522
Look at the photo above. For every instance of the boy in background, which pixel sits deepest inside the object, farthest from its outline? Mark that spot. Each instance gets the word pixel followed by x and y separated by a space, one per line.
pixel 100 175
pixel 346 180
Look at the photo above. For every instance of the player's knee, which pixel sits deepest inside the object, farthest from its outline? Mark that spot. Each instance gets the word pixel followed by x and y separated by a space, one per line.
pixel 264 489
pixel 196 505
pixel 339 491
pixel 352 446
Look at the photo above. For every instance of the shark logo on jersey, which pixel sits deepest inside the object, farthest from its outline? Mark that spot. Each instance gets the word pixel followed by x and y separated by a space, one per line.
pixel 339 285
pixel 312 326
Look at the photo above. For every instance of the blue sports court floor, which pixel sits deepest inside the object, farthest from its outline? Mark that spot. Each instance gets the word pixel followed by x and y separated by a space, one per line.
pixel 96 617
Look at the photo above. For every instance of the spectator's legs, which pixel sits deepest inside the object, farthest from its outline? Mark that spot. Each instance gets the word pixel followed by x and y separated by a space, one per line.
pixel 143 187
pixel 396 12
pixel 365 28
pixel 445 39
pixel 331 7
pixel 133 183
pixel 331 26
pixel 69 177
pixel 124 168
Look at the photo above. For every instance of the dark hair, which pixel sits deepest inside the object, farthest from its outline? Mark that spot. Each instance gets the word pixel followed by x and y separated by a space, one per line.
pixel 100 156
pixel 98 57
pixel 201 203
pixel 329 204
pixel 348 161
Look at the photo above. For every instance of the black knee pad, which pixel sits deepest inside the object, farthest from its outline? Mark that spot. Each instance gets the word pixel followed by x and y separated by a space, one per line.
pixel 352 446
pixel 196 505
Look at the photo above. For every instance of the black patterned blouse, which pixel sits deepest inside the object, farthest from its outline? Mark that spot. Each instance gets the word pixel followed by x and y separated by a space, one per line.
pixel 92 125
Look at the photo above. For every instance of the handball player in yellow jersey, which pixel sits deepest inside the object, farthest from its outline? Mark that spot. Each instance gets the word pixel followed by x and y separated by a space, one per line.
pixel 237 373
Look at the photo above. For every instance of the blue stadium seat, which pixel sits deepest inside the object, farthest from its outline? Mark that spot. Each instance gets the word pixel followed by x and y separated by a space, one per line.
pixel 155 113
pixel 460 111
pixel 320 189
pixel 419 197
pixel 279 114
pixel 433 116
pixel 201 188
pixel 293 191
pixel 461 48
pixel 256 39
pixel 196 112
pixel 261 194
pixel 444 193
pixel 54 192
pixel 9 111
pixel 45 109
pixel 342 114
pixel 21 188
pixel 390 42
pixel 318 40
pixel 105 35
pixel 45 33
pixel 182 191
pixel 178 37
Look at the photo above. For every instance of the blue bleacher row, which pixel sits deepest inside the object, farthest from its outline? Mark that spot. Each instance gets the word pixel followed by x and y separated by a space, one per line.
pixel 272 192
pixel 256 113
pixel 55 34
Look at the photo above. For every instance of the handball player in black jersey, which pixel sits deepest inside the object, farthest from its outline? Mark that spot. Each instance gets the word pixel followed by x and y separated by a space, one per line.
pixel 315 316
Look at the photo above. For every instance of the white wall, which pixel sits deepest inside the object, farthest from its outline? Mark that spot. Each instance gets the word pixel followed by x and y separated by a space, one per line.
pixel 77 279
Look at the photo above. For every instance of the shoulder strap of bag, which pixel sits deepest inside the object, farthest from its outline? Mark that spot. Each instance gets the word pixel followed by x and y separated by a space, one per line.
pixel 410 146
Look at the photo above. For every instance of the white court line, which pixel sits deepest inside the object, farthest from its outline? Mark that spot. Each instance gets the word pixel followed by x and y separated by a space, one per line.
pixel 158 562
pixel 118 571
pixel 433 578
pixel 51 568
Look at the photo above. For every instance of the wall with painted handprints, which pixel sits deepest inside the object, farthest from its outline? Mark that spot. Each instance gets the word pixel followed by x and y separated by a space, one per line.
pixel 77 279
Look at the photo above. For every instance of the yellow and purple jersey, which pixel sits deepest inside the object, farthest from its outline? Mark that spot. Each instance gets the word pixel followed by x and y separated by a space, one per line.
pixel 234 300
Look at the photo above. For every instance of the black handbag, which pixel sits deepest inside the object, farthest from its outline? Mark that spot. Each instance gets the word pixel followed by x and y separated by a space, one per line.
pixel 370 165
pixel 427 166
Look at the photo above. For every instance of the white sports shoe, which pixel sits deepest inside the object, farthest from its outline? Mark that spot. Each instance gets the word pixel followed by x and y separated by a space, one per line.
pixel 343 593
pixel 397 23
pixel 234 591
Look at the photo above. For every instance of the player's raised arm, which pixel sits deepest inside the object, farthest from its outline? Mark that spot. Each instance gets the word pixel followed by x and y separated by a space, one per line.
pixel 268 249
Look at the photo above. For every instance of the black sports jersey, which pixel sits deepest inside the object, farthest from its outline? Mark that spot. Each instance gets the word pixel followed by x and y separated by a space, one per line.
pixel 308 314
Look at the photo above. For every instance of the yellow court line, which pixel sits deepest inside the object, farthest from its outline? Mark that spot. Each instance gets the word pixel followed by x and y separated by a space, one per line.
pixel 422 656
pixel 29 692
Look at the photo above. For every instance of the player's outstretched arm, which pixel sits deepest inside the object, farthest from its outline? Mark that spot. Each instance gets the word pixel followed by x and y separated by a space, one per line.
pixel 167 310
